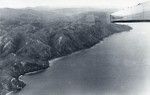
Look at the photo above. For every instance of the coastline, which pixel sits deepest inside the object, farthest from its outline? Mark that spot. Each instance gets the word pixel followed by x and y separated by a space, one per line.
pixel 51 62
pixel 113 57
pixel 29 56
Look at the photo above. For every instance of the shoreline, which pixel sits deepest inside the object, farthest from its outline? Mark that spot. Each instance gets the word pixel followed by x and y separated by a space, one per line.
pixel 24 53
pixel 51 62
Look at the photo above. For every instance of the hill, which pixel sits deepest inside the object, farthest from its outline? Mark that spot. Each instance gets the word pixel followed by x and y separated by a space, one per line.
pixel 31 37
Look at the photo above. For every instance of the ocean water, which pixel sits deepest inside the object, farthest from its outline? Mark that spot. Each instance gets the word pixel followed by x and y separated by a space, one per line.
pixel 119 65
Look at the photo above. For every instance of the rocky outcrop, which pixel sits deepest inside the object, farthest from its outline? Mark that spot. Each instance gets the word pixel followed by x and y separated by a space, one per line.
pixel 28 43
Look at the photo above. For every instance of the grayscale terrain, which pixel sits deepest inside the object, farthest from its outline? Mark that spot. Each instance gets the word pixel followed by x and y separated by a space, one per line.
pixel 31 37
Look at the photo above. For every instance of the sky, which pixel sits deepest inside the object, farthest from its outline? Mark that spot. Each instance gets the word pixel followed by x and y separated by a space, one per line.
pixel 69 3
